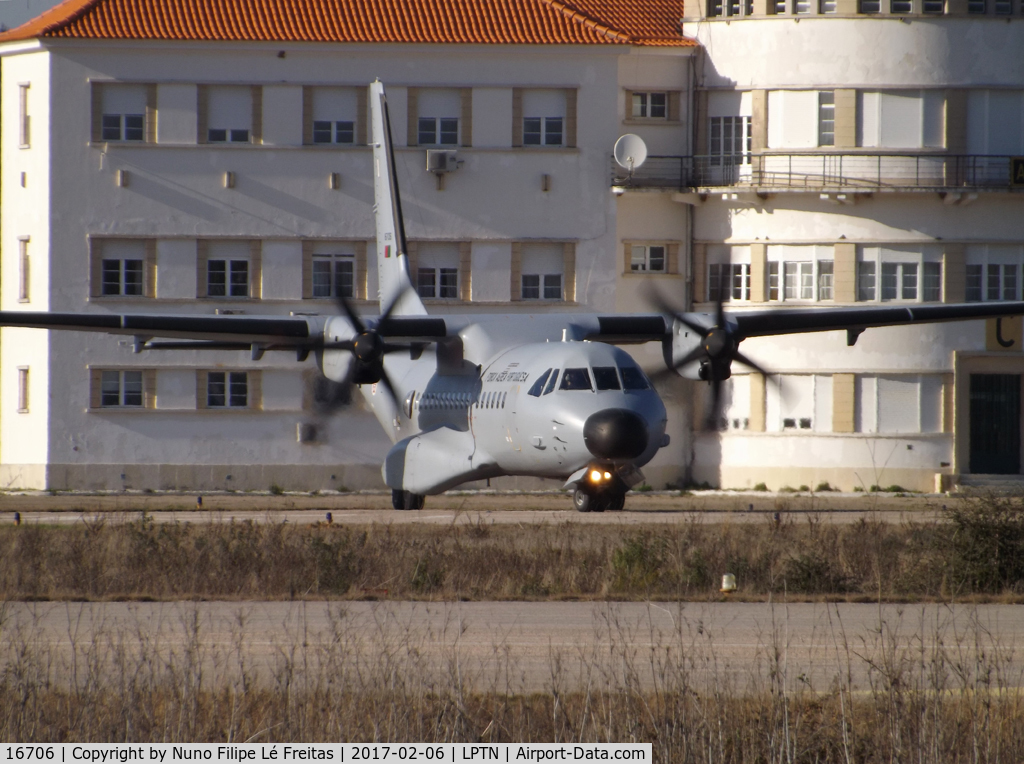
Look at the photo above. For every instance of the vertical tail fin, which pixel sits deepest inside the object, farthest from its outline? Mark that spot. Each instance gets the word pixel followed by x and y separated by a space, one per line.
pixel 393 275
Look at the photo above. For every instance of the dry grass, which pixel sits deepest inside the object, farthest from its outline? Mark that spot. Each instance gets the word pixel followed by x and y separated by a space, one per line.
pixel 977 550
pixel 925 699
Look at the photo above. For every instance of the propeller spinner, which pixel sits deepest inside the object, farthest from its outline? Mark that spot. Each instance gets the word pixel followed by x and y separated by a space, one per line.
pixel 718 348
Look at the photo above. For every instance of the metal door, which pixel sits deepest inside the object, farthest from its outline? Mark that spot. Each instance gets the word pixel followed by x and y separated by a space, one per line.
pixel 995 424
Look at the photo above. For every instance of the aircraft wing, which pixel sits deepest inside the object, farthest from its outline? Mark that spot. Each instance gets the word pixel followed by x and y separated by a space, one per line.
pixel 226 332
pixel 763 323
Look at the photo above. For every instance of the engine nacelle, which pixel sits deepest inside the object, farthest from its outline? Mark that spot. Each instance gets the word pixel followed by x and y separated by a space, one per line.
pixel 683 341
pixel 337 365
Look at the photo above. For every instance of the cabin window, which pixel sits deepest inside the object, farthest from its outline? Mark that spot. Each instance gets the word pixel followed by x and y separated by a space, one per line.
pixel 538 386
pixel 606 378
pixel 576 379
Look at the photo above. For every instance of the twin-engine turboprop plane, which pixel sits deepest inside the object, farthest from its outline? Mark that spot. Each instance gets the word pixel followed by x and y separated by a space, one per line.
pixel 471 397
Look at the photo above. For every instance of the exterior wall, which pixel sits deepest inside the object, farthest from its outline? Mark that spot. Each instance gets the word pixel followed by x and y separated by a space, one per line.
pixel 25 215
pixel 173 193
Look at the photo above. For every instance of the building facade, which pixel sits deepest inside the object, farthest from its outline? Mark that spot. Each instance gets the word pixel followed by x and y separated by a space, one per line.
pixel 802 153
pixel 159 162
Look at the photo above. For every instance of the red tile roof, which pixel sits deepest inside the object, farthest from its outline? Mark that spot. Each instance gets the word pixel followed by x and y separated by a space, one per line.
pixel 552 22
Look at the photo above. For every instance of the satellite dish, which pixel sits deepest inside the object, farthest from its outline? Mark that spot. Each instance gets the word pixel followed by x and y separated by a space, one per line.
pixel 630 152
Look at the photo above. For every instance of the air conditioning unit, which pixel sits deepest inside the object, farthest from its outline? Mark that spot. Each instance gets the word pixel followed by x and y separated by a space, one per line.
pixel 442 160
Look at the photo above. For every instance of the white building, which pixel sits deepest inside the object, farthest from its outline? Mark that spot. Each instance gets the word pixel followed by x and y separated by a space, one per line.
pixel 157 161
pixel 860 153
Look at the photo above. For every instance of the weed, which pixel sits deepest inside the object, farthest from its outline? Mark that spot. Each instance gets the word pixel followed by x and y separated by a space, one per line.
pixel 804 488
pixel 276 490
pixel 644 488
pixel 761 487
pixel 787 489
pixel 823 487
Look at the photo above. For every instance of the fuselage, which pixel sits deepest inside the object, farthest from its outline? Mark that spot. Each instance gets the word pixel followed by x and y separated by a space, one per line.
pixel 541 409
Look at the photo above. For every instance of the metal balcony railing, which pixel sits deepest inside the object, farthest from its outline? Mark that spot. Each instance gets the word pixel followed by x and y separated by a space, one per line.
pixel 822 172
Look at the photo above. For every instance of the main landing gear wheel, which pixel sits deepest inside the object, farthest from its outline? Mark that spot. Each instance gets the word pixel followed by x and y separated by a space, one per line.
pixel 616 502
pixel 406 500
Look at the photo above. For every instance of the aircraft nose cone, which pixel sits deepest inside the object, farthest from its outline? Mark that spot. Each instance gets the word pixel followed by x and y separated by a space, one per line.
pixel 615 434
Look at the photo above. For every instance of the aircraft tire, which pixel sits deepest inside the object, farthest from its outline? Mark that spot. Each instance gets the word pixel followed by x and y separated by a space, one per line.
pixel 616 502
pixel 406 500
pixel 582 500
pixel 397 499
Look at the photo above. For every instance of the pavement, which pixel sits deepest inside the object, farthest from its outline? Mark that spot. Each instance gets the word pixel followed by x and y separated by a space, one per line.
pixel 528 646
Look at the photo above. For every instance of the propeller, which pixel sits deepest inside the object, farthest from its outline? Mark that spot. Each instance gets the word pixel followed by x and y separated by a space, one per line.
pixel 369 346
pixel 718 348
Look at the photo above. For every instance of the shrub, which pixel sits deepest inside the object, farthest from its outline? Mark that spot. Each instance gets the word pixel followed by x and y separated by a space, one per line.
pixel 986 545
pixel 761 487
pixel 823 486
pixel 276 490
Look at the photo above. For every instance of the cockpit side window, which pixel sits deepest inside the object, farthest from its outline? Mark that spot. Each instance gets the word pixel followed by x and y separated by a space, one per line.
pixel 576 379
pixel 551 382
pixel 538 386
pixel 606 377
pixel 633 378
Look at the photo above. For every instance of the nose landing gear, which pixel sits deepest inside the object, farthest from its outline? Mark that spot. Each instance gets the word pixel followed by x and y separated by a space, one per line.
pixel 611 499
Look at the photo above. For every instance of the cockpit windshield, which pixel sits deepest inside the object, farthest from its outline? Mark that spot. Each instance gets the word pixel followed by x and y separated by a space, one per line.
pixel 606 377
pixel 576 379
pixel 633 378
pixel 538 386
pixel 551 382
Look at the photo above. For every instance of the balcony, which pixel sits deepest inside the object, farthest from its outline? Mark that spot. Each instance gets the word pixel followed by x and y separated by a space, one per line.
pixel 823 172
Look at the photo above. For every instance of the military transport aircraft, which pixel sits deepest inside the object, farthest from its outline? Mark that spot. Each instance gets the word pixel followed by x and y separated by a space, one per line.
pixel 470 397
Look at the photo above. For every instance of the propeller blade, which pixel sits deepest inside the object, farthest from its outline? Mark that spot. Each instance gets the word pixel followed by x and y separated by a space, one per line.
pixel 738 356
pixel 720 312
pixel 712 421
pixel 693 355
pixel 351 314
pixel 386 381
pixel 658 300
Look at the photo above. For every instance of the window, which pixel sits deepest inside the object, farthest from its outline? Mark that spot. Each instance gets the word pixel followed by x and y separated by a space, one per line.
pixel 827 6
pixel 606 378
pixel 333 276
pixel 801 119
pixel 538 387
pixel 542 131
pixel 995 126
pixel 647 258
pixel 576 379
pixel 123 112
pixel 901 119
pixel 24 120
pixel 547 287
pixel 23 389
pixel 795 403
pixel 325 131
pixel 333 114
pixel 899 281
pixel 1003 7
pixel 798 281
pixel 826 282
pixel 977 6
pixel 802 6
pixel 541 267
pixel 438 131
pixel 121 389
pixel 633 378
pixel 24 271
pixel 437 112
pixel 777 6
pixel 438 265
pixel 227 389
pixel 827 118
pixel 933 6
pixel 544 117
pixel 230 114
pixel 731 140
pixel 653 105
pixel 441 283
pixel 901 403
pixel 900 6
pixel 800 272
pixel 552 380
pixel 728 281
pixel 227 278
pixel 896 272
pixel 122 277
pixel 865 281
pixel 870 6
pixel 932 288
pixel 992 282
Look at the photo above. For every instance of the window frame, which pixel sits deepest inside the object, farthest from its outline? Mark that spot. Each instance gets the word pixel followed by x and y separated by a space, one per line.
pixel 746 139
pixel 437 131
pixel 335 130
pixel 24 118
pixel 544 132
pixel 646 258
pixel 233 384
pixel 336 275
pixel 122 280
pixel 646 104
pixel 120 389
pixel 229 283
